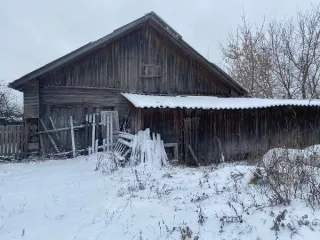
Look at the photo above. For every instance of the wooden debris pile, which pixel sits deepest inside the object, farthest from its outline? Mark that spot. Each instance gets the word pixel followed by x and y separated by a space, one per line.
pixel 143 147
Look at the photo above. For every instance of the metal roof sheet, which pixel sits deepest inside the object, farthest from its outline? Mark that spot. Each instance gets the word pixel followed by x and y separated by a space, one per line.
pixel 211 102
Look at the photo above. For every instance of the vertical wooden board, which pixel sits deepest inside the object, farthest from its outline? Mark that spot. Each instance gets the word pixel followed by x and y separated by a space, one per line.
pixel 19 134
pixel 72 137
pixel 187 128
pixel 1 140
pixel 98 127
pixel 14 139
pixel 86 132
pixel 10 141
pixel 5 149
pixel 25 138
pixel 93 131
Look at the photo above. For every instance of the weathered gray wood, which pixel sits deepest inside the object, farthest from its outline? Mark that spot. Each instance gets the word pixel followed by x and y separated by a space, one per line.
pixel 49 136
pixel 31 99
pixel 72 137
pixel 42 147
pixel 86 132
pixel 54 127
pixel 193 154
pixel 93 132
pixel 61 129
pixel 1 140
pixel 11 140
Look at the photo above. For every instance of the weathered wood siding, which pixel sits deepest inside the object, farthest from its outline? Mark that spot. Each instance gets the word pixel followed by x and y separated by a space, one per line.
pixel 143 61
pixel 243 133
pixel 31 99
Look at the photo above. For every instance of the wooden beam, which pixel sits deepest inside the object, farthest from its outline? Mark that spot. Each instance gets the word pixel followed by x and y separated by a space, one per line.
pixel 93 132
pixel 50 138
pixel 54 127
pixel 193 154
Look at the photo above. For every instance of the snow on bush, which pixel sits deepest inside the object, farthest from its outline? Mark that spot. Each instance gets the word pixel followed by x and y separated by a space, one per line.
pixel 290 174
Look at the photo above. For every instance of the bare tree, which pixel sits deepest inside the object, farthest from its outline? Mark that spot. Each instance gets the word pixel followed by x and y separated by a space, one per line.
pixel 279 59
pixel 8 106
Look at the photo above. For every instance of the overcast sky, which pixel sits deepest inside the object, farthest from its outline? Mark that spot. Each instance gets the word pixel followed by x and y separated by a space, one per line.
pixel 35 32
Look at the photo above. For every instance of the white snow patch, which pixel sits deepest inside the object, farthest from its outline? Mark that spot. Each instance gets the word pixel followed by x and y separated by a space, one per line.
pixel 67 199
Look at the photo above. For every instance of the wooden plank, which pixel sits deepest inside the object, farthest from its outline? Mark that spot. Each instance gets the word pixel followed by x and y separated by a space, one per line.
pixel 124 142
pixel 49 136
pixel 187 127
pixel 9 140
pixel 86 131
pixel 97 128
pixel 104 145
pixel 126 136
pixel 111 130
pixel 1 140
pixel 107 116
pixel 61 129
pixel 14 140
pixel 42 148
pixel 6 140
pixel 93 132
pixel 54 128
pixel 96 145
pixel 72 137
pixel 193 154
pixel 25 139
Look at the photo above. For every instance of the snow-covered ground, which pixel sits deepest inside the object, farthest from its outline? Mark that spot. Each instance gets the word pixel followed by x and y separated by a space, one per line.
pixel 68 199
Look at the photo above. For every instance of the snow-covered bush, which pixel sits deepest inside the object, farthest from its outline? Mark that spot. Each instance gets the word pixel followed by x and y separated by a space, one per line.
pixel 106 163
pixel 289 174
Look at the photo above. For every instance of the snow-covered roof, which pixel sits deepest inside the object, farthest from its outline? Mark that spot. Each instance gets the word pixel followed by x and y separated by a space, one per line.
pixel 211 102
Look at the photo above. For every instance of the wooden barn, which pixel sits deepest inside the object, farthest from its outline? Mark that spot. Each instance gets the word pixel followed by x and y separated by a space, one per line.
pixel 148 74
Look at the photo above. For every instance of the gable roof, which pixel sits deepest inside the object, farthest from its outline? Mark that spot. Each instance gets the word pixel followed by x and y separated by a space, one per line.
pixel 148 18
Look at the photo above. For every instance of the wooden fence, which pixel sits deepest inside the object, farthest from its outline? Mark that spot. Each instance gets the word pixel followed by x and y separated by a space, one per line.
pixel 11 140
pixel 96 133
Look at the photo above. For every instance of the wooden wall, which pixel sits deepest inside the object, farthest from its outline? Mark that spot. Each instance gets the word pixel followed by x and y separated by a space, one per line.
pixel 143 61
pixel 243 134
pixel 31 99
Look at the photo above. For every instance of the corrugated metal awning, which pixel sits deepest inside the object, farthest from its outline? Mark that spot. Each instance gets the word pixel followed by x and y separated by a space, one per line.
pixel 211 102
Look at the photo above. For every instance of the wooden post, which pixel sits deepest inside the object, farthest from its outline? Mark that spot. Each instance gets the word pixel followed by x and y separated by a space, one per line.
pixel 104 144
pixel 86 132
pixel 97 128
pixel 96 146
pixel 111 130
pixel 108 131
pixel 72 138
pixel 89 150
pixel 93 131
pixel 41 145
